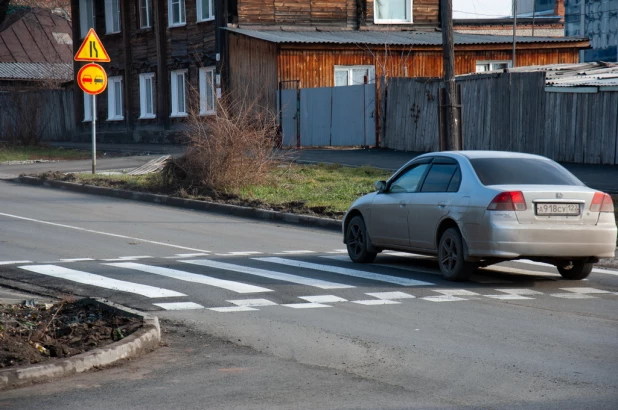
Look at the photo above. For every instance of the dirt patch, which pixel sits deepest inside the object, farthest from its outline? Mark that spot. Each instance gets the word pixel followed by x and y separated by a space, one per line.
pixel 33 333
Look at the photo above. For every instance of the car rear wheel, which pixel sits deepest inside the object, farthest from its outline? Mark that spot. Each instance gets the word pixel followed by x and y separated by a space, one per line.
pixel 451 257
pixel 357 241
pixel 576 271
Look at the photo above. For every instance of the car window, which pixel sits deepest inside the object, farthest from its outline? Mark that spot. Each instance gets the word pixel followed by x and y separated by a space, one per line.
pixel 453 186
pixel 439 178
pixel 521 171
pixel 409 180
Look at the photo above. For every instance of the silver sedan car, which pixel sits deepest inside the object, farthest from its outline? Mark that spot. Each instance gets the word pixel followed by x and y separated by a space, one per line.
pixel 477 208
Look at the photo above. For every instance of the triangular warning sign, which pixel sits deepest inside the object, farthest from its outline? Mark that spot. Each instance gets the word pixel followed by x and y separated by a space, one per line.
pixel 92 49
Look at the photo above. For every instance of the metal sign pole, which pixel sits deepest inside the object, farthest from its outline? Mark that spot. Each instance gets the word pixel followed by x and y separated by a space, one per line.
pixel 94 134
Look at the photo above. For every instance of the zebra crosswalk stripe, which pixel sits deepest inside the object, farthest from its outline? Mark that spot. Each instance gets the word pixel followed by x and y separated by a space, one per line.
pixel 286 277
pixel 342 271
pixel 237 287
pixel 101 281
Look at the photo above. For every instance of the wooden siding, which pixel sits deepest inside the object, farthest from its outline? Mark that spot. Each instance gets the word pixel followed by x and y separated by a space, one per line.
pixel 508 111
pixel 253 74
pixel 315 67
pixel 334 13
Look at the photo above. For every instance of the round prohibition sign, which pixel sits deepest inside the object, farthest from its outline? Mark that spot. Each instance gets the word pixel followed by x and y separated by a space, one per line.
pixel 92 78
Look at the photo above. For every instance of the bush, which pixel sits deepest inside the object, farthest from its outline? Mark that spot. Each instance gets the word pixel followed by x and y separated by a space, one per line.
pixel 227 151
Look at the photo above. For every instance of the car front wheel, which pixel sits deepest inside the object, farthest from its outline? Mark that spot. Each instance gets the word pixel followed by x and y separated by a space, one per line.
pixel 357 241
pixel 451 257
pixel 576 271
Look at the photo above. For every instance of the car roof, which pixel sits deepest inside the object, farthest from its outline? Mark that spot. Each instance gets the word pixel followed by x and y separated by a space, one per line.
pixel 486 154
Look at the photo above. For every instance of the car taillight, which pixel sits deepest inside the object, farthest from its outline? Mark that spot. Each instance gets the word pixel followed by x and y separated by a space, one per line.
pixel 508 201
pixel 602 203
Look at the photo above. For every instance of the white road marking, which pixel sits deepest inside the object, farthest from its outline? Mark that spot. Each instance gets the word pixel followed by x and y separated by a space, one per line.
pixel 339 251
pixel 442 298
pixel 529 262
pixel 249 253
pixel 229 309
pixel 323 299
pixel 322 284
pixel 507 297
pixel 342 271
pixel 101 233
pixel 505 269
pixel 101 281
pixel 185 255
pixel 237 287
pixel 605 271
pixel 179 306
pixel 126 258
pixel 455 292
pixel 252 302
pixel 374 302
pixel 571 296
pixel 77 260
pixel 408 255
pixel 293 252
pixel 14 262
pixel 305 305
pixel 585 291
pixel 391 295
pixel 521 292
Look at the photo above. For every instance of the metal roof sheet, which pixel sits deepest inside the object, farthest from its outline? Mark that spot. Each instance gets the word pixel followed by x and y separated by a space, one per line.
pixel 36 71
pixel 418 38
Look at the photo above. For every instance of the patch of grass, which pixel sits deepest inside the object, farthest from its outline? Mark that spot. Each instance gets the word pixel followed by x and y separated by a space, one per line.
pixel 25 153
pixel 331 187
pixel 144 183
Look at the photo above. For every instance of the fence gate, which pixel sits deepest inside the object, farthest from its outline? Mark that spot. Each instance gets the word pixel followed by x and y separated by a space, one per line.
pixel 331 116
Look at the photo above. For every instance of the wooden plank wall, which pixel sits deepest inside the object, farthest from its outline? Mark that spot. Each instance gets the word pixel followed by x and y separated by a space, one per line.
pixel 509 112
pixel 314 66
pixel 54 108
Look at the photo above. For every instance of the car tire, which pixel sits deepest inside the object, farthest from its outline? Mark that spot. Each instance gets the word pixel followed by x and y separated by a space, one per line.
pixel 451 257
pixel 357 241
pixel 577 271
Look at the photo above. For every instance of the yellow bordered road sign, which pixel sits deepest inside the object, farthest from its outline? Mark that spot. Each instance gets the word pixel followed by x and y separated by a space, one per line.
pixel 92 79
pixel 92 49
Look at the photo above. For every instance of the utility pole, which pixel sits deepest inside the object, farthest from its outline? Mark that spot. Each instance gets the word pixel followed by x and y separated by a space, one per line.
pixel 533 16
pixel 452 127
pixel 514 32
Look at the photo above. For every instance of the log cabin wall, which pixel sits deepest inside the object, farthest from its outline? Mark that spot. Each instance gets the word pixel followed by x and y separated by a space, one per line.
pixel 189 46
pixel 333 14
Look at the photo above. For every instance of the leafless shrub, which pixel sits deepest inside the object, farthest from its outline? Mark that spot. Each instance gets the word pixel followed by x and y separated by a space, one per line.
pixel 228 150
pixel 26 116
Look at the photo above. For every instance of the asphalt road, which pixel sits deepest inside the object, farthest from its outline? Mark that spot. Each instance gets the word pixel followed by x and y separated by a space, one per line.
pixel 277 318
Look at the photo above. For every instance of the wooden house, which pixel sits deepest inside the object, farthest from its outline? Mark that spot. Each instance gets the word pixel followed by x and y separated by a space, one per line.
pixel 164 51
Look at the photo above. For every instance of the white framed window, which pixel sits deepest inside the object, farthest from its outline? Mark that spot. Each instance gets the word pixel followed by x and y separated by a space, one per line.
pixel 207 90
pixel 146 96
pixel 86 16
pixel 176 13
pixel 144 14
pixel 88 108
pixel 204 10
pixel 179 104
pixel 354 74
pixel 482 66
pixel 114 99
pixel 112 16
pixel 392 11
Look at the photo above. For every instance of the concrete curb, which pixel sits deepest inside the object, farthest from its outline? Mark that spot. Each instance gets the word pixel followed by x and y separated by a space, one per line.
pixel 241 211
pixel 142 341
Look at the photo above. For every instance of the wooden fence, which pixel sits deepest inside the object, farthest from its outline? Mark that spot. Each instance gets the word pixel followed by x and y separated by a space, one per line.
pixel 506 111
pixel 46 115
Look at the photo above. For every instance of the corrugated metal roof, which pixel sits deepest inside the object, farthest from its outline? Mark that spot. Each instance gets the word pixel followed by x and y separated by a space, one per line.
pixel 36 71
pixel 404 38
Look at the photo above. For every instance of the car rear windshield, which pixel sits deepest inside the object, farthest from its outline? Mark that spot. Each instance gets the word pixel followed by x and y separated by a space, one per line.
pixel 521 171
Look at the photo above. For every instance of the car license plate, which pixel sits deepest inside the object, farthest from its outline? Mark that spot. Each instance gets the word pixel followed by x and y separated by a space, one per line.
pixel 557 209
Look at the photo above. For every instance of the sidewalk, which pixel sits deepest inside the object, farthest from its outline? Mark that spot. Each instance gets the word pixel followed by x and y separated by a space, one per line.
pixel 601 177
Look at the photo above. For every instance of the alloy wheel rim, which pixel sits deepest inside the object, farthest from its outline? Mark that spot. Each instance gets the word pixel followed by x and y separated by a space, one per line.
pixel 449 254
pixel 356 240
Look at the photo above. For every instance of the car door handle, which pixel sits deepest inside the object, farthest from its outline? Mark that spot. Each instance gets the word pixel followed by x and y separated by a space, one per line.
pixel 402 204
pixel 442 204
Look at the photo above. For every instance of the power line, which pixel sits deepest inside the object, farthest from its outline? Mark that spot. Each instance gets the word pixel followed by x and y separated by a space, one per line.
pixel 503 16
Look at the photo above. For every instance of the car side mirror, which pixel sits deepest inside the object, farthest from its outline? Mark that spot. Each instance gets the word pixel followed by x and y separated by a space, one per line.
pixel 380 186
